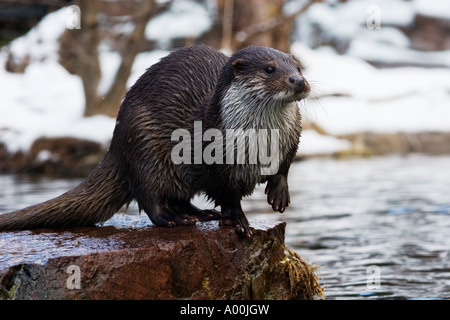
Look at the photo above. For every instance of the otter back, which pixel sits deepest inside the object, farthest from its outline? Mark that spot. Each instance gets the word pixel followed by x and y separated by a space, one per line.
pixel 166 98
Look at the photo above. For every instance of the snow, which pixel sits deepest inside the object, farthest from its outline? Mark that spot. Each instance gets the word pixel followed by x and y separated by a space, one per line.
pixel 395 12
pixel 358 97
pixel 184 19
pixel 41 42
pixel 142 62
pixel 347 20
pixel 314 143
pixel 386 52
pixel 433 8
pixel 348 94
pixel 350 25
pixel 48 101
pixel 109 64
pixel 386 35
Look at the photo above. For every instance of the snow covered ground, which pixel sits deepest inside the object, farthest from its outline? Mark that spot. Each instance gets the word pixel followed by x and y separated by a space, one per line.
pixel 358 97
pixel 372 29
pixel 349 95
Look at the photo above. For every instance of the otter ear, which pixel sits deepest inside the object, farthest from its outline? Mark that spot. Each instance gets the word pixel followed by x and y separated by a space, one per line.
pixel 238 65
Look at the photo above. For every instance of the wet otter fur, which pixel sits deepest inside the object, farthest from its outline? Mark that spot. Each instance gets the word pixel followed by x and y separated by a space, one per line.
pixel 257 88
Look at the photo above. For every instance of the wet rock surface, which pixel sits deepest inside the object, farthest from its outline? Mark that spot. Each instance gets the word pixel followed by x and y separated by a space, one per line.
pixel 145 262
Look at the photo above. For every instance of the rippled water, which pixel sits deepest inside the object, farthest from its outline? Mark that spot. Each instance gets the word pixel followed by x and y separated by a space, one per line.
pixel 391 212
pixel 378 227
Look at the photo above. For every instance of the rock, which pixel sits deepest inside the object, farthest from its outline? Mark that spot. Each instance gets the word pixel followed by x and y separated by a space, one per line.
pixel 202 262
pixel 66 157
pixel 369 143
pixel 429 33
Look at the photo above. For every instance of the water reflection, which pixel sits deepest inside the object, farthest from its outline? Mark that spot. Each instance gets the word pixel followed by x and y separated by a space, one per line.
pixel 345 216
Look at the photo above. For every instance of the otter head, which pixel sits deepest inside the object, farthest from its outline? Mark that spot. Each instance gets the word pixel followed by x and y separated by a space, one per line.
pixel 258 88
pixel 269 72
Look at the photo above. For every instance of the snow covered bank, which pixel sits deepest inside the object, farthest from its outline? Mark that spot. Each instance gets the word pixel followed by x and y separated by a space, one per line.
pixel 357 97
pixel 383 31
pixel 184 19
pixel 48 101
pixel 313 143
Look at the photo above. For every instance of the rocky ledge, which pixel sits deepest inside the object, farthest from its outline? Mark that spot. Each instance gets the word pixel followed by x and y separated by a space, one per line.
pixel 202 262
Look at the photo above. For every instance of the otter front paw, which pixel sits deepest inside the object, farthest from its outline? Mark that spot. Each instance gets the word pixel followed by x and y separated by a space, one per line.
pixel 278 194
pixel 241 225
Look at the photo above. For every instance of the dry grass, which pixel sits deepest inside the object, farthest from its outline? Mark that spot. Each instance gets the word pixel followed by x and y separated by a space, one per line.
pixel 304 282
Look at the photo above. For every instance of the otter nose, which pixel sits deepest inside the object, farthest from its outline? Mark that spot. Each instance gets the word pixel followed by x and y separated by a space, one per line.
pixel 297 82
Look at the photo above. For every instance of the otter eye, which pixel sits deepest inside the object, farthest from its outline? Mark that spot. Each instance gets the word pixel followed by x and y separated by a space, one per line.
pixel 299 70
pixel 269 69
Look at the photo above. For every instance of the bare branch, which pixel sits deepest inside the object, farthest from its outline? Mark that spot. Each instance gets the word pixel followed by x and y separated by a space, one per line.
pixel 227 25
pixel 264 26
pixel 144 11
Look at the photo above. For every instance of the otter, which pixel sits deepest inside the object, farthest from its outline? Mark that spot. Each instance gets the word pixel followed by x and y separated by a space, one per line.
pixel 255 88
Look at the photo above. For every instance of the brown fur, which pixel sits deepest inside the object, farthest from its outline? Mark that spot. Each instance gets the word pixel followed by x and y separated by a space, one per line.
pixel 196 83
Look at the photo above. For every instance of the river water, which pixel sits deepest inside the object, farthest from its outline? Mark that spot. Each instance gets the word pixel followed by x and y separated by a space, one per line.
pixel 378 228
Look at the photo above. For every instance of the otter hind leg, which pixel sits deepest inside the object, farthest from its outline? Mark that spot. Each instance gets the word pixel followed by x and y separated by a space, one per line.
pixel 166 217
pixel 187 208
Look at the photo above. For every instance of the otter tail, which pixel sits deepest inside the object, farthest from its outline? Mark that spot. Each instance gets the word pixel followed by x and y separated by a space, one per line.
pixel 94 200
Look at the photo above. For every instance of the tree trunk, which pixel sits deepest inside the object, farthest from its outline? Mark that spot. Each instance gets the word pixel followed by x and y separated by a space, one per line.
pixel 86 48
pixel 110 105
pixel 79 55
pixel 253 22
